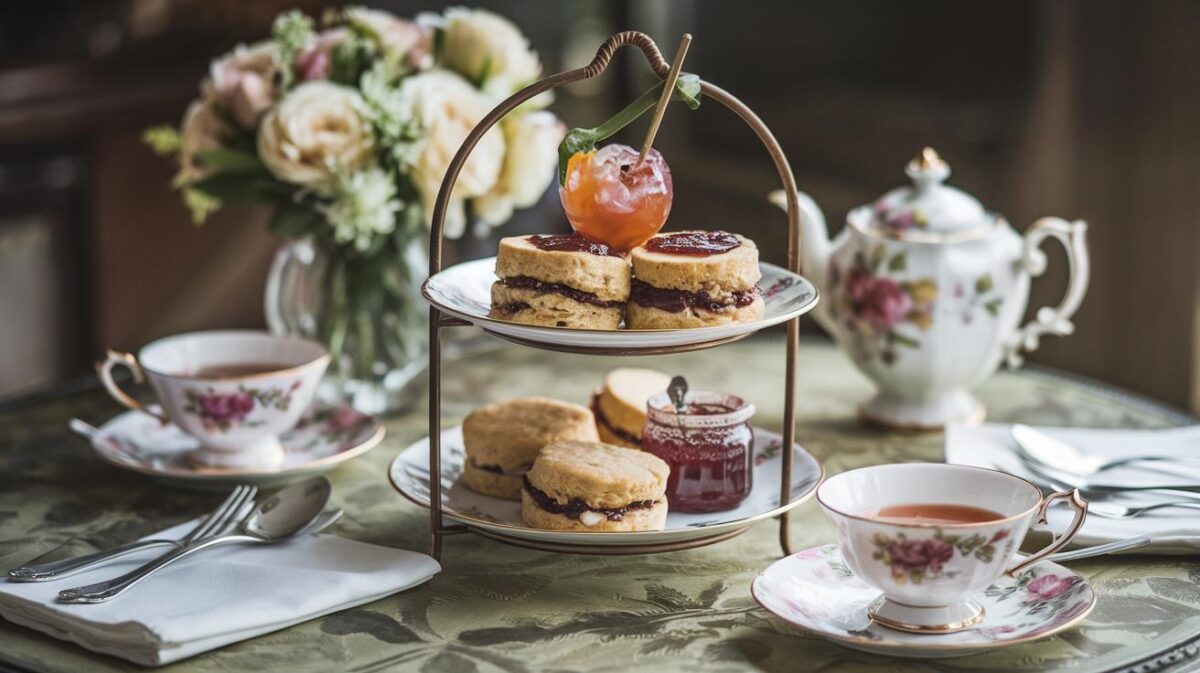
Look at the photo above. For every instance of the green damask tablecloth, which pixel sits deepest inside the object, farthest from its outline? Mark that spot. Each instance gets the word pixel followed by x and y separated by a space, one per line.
pixel 496 607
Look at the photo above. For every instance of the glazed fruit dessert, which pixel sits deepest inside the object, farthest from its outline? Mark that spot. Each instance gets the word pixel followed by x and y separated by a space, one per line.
pixel 587 486
pixel 560 281
pixel 620 405
pixel 694 279
pixel 502 440
pixel 611 197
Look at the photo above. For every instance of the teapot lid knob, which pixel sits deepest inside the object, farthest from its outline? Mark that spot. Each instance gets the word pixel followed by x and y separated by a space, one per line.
pixel 927 169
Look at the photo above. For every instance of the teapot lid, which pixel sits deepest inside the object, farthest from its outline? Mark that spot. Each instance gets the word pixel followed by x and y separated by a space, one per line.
pixel 928 208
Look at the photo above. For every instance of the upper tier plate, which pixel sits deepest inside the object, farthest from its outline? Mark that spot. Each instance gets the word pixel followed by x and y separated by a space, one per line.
pixel 464 291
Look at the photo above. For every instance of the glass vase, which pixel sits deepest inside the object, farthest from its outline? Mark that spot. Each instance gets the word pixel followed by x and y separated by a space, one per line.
pixel 367 310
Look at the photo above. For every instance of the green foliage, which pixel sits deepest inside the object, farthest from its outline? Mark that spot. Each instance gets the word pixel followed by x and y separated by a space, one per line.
pixel 225 160
pixel 242 189
pixel 200 204
pixel 293 32
pixel 296 219
pixel 164 140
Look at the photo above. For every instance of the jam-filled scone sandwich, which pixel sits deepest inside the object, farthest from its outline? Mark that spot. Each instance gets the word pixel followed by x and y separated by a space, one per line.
pixel 585 486
pixel 694 279
pixel 502 440
pixel 620 406
pixel 560 281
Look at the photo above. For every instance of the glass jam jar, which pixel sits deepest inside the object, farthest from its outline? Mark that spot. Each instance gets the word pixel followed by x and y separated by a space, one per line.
pixel 708 448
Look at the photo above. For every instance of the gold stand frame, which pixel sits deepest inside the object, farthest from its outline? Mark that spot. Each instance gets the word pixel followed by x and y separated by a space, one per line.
pixel 439 320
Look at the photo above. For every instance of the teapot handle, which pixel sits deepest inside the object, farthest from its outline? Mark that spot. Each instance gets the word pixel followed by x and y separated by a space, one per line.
pixel 1052 320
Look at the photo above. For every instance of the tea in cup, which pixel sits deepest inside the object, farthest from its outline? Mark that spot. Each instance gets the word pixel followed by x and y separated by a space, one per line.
pixel 236 391
pixel 929 535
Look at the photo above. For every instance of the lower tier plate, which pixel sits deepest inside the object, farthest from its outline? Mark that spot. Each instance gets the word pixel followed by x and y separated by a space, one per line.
pixel 409 474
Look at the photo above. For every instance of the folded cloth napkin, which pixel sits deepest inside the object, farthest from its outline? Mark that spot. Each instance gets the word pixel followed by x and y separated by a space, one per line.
pixel 216 597
pixel 1172 531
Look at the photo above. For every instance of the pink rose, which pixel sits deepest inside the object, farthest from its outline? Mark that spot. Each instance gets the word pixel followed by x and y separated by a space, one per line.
pixel 928 554
pixel 314 62
pixel 244 82
pixel 1049 586
pixel 231 408
pixel 883 303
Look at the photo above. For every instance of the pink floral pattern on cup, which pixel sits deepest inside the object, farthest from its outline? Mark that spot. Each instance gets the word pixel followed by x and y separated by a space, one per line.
pixel 921 559
pixel 221 412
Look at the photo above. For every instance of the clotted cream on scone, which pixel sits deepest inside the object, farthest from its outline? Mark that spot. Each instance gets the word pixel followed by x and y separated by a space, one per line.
pixel 694 279
pixel 560 281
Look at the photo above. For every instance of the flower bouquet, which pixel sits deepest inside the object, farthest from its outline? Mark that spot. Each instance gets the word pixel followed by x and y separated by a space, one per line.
pixel 345 131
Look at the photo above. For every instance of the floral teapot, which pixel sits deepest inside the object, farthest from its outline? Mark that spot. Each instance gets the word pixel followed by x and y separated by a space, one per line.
pixel 925 291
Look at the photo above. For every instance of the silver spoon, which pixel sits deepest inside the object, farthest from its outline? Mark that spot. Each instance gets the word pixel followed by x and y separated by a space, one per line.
pixel 233 509
pixel 1055 453
pixel 282 516
pixel 1060 480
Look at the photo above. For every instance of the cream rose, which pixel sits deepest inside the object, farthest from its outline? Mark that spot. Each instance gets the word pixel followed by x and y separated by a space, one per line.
pixel 202 129
pixel 488 49
pixel 447 108
pixel 244 82
pixel 529 166
pixel 314 131
pixel 397 36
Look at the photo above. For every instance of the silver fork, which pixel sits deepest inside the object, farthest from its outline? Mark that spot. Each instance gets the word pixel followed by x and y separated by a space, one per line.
pixel 232 509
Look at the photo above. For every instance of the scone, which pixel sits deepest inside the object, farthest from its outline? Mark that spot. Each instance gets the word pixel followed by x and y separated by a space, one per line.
pixel 503 438
pixel 585 486
pixel 560 281
pixel 620 406
pixel 694 279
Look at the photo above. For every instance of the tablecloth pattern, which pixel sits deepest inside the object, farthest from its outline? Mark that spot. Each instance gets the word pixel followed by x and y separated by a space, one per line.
pixel 501 608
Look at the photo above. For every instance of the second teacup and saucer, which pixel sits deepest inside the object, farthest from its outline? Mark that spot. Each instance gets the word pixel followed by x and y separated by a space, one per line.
pixel 926 564
pixel 233 406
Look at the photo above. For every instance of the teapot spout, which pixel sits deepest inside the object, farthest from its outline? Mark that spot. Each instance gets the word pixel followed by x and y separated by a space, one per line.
pixel 815 245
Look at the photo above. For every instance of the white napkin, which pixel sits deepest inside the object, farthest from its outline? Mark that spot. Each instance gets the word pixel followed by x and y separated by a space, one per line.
pixel 1172 530
pixel 216 597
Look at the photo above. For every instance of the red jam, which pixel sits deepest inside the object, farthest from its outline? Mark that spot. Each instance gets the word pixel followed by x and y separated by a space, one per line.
pixel 708 448
pixel 571 243
pixel 694 243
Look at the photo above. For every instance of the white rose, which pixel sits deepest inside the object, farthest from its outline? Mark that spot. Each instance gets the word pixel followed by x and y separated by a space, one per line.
pixel 314 131
pixel 397 36
pixel 244 82
pixel 202 129
pixel 529 166
pixel 488 49
pixel 447 108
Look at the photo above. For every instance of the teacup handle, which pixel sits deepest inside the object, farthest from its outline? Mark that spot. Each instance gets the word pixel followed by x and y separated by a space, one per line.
pixel 1048 320
pixel 104 369
pixel 1078 504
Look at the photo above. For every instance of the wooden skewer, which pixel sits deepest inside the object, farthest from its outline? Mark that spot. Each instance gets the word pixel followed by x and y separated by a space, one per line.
pixel 668 89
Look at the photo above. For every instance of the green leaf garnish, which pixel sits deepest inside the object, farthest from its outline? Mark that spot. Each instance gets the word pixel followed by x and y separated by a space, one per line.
pixel 687 91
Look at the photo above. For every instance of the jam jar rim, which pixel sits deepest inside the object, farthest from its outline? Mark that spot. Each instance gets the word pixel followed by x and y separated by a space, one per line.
pixel 659 409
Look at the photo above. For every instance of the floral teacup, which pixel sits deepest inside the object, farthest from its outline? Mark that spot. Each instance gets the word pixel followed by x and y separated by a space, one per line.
pixel 928 570
pixel 236 391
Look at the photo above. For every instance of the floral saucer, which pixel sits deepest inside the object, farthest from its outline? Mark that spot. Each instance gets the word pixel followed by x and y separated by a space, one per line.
pixel 324 438
pixel 816 592
pixel 409 474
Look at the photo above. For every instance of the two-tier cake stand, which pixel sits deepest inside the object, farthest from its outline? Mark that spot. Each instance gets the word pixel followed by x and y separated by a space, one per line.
pixel 440 319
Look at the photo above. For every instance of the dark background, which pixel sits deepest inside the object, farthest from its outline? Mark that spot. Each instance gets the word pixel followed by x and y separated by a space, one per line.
pixel 1077 108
